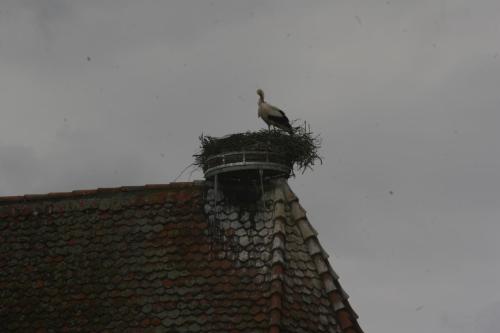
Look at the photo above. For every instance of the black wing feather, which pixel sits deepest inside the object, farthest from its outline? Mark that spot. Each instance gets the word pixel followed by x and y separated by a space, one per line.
pixel 282 113
pixel 279 120
pixel 283 121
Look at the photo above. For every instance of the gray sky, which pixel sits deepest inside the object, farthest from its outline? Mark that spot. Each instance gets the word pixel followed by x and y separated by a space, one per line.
pixel 404 93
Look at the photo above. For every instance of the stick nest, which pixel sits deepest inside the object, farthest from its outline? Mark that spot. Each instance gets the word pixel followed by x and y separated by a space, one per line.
pixel 300 150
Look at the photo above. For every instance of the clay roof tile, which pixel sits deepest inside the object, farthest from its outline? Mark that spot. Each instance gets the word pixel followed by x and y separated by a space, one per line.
pixel 165 257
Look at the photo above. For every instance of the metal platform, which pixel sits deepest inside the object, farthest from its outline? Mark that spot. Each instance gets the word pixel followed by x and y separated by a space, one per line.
pixel 241 161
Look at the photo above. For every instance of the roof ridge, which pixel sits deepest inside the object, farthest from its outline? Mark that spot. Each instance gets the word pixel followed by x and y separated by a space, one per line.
pixel 105 200
pixel 345 316
pixel 100 190
pixel 277 259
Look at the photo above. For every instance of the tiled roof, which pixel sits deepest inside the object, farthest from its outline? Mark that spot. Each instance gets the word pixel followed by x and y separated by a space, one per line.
pixel 165 258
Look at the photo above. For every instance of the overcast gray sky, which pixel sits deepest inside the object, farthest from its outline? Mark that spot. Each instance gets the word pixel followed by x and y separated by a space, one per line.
pixel 405 94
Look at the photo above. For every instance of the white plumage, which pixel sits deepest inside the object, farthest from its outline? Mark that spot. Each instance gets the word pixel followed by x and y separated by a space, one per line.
pixel 273 116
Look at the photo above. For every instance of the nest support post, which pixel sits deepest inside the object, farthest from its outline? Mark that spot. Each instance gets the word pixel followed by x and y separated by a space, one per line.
pixel 245 172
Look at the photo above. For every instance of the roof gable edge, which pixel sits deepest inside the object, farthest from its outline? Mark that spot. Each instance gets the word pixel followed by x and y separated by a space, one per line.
pixel 346 317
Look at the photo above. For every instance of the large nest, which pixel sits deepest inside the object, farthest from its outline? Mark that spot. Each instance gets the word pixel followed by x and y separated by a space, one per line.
pixel 299 150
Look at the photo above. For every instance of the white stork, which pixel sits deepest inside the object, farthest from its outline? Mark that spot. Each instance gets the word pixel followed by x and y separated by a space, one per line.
pixel 272 116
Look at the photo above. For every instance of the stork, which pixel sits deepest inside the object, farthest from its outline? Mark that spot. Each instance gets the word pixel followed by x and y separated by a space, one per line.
pixel 272 116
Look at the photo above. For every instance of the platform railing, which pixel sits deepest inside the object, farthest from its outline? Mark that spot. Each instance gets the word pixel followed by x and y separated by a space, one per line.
pixel 246 160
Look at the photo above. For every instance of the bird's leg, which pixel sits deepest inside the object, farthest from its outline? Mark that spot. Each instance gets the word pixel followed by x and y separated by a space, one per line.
pixel 269 142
